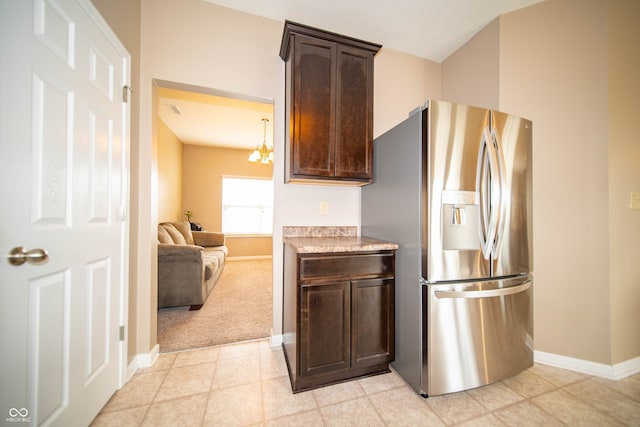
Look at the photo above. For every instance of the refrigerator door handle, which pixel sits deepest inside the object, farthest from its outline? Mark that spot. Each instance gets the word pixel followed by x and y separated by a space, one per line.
pixel 490 187
pixel 498 178
pixel 484 294
pixel 488 223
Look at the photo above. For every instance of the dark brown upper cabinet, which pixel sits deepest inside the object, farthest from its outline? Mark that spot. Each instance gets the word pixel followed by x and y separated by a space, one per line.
pixel 328 106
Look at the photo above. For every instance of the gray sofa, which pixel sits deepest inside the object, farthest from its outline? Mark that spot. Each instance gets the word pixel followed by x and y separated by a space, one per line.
pixel 189 264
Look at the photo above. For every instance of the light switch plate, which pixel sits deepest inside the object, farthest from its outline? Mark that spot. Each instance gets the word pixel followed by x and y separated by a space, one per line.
pixel 634 200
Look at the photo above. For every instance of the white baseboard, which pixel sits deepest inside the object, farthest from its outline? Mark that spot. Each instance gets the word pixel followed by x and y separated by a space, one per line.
pixel 276 340
pixel 143 360
pixel 612 372
pixel 247 258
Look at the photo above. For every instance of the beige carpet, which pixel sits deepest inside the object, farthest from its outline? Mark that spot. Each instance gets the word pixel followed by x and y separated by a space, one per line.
pixel 238 309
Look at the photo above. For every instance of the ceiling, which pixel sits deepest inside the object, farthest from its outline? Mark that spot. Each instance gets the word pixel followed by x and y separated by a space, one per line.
pixel 219 120
pixel 431 29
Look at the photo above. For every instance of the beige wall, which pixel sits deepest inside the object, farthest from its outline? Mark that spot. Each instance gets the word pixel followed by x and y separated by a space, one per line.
pixel 402 82
pixel 196 43
pixel 169 175
pixel 471 75
pixel 558 78
pixel 624 177
pixel 203 169
pixel 571 66
pixel 249 246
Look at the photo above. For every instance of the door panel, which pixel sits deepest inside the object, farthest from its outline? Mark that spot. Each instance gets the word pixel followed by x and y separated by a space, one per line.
pixel 514 250
pixel 314 124
pixel 100 168
pixel 477 333
pixel 63 148
pixel 51 145
pixel 49 336
pixel 98 306
pixel 372 322
pixel 324 328
pixel 455 137
pixel 53 25
pixel 354 95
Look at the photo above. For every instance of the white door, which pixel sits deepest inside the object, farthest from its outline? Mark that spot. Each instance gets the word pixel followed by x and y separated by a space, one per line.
pixel 64 189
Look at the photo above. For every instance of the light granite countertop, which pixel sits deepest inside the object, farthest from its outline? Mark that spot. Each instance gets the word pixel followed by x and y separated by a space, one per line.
pixel 332 239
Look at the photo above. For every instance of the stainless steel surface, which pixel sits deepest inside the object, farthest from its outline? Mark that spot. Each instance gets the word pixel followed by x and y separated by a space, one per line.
pixel 475 150
pixel 392 210
pixel 478 333
pixel 455 136
pixel 514 252
pixel 500 292
pixel 489 186
pixel 452 188
pixel 18 256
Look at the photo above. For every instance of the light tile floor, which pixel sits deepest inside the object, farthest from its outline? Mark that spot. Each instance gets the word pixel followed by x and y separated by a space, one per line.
pixel 246 384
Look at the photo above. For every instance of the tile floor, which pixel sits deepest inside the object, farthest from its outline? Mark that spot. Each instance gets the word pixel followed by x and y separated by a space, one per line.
pixel 246 384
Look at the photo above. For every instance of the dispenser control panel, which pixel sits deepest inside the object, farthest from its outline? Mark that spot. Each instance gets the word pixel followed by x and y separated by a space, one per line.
pixel 460 220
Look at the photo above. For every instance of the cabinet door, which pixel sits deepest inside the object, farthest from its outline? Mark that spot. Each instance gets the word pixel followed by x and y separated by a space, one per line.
pixel 313 115
pixel 354 112
pixel 373 324
pixel 324 328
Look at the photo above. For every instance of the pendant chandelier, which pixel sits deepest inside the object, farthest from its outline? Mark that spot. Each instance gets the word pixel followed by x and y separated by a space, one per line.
pixel 262 153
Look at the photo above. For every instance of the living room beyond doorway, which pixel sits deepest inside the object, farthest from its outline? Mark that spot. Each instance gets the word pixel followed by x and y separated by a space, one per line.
pixel 204 136
pixel 238 309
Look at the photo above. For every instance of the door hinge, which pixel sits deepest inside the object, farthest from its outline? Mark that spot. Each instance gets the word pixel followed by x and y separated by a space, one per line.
pixel 125 93
pixel 121 333
pixel 123 213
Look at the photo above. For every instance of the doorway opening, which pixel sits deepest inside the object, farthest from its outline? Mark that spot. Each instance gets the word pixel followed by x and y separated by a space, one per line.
pixel 205 136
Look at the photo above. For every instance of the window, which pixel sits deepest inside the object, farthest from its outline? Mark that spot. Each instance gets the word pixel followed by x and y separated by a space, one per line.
pixel 247 206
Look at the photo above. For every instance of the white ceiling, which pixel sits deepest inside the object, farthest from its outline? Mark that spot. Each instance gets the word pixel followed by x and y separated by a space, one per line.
pixel 205 119
pixel 431 29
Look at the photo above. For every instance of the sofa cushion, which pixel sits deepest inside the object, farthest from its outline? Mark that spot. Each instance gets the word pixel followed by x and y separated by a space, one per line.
pixel 224 251
pixel 185 229
pixel 211 264
pixel 163 235
pixel 176 236
pixel 179 253
pixel 208 238
pixel 214 261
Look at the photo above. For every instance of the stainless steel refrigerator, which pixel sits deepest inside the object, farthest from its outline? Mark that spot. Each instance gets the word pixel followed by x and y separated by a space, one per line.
pixel 452 187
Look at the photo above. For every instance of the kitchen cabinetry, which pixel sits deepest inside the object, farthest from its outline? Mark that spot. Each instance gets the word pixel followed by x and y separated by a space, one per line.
pixel 328 106
pixel 338 315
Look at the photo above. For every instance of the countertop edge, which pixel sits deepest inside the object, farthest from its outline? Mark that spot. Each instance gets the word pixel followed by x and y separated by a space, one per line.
pixel 338 244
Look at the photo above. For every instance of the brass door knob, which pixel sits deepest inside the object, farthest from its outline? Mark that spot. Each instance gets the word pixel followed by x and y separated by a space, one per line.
pixel 18 256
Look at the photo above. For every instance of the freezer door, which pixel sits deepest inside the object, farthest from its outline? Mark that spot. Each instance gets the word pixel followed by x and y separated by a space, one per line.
pixel 450 198
pixel 476 333
pixel 512 137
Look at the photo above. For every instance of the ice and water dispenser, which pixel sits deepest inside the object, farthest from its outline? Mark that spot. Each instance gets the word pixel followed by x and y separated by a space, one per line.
pixel 460 220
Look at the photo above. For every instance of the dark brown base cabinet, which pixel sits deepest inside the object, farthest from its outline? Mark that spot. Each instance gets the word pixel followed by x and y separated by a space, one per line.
pixel 338 316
